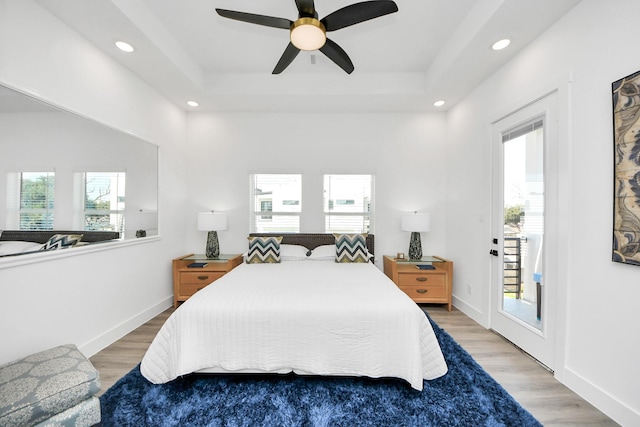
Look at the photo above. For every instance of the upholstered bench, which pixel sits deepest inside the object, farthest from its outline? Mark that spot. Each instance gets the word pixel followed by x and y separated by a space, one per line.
pixel 55 387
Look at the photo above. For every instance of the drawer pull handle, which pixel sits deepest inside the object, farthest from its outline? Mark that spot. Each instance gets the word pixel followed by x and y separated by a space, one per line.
pixel 203 277
pixel 421 279
pixel 422 291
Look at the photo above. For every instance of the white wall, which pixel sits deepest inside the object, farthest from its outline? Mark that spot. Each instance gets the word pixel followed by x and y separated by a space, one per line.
pixel 403 151
pixel 592 46
pixel 93 298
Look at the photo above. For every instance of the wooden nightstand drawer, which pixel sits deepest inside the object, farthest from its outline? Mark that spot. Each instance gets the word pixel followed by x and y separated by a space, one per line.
pixel 418 292
pixel 421 279
pixel 188 289
pixel 200 277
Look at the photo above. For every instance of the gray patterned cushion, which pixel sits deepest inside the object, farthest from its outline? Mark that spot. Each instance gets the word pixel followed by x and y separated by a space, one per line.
pixel 84 414
pixel 44 384
pixel 351 248
pixel 264 250
pixel 61 241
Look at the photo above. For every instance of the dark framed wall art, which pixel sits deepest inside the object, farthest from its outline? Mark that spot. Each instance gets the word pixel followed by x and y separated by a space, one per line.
pixel 626 158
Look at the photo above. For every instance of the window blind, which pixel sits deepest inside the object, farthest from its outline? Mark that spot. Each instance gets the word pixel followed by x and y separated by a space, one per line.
pixel 348 203
pixel 276 202
pixel 104 200
pixel 523 129
pixel 30 200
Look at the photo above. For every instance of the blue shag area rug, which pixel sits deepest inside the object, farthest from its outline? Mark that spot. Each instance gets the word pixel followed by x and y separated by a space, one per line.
pixel 465 396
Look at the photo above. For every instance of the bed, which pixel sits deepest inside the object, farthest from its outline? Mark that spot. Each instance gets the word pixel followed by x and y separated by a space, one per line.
pixel 307 314
pixel 22 242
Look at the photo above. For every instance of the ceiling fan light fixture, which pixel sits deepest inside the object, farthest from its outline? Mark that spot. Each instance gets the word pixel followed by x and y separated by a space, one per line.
pixel 308 34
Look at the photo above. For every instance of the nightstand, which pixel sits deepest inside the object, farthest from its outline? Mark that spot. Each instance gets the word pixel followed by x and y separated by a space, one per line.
pixel 423 286
pixel 187 281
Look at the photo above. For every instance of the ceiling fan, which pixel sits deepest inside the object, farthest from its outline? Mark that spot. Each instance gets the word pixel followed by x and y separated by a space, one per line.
pixel 309 33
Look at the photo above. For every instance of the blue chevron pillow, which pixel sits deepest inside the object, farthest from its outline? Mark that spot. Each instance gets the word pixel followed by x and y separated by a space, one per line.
pixel 351 248
pixel 264 250
pixel 61 241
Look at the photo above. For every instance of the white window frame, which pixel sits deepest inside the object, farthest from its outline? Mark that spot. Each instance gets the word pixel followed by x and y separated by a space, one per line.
pixel 15 208
pixel 331 206
pixel 283 216
pixel 117 204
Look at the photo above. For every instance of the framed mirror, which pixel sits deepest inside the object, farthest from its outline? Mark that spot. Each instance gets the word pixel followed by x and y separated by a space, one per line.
pixel 61 171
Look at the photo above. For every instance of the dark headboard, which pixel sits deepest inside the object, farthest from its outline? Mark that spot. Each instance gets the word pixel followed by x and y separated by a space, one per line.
pixel 42 236
pixel 313 240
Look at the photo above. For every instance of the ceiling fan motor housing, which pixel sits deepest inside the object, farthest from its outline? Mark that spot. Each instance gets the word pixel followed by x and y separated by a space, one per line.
pixel 308 34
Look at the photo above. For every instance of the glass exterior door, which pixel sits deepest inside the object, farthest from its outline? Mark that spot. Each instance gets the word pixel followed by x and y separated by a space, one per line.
pixel 524 147
pixel 523 231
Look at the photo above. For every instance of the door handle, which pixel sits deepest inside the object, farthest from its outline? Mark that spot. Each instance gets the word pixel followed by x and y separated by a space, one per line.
pixel 493 252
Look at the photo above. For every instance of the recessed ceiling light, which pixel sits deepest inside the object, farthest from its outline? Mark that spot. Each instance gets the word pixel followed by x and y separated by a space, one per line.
pixel 124 46
pixel 192 103
pixel 439 103
pixel 501 44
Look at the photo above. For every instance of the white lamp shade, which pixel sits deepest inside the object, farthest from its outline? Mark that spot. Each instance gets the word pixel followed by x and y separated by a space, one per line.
pixel 415 221
pixel 212 221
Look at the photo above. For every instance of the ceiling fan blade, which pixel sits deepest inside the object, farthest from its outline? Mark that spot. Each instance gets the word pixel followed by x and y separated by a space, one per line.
pixel 268 21
pixel 358 12
pixel 306 8
pixel 287 57
pixel 337 55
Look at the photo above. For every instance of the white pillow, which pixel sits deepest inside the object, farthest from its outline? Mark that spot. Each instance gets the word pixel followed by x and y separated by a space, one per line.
pixel 324 252
pixel 16 247
pixel 293 252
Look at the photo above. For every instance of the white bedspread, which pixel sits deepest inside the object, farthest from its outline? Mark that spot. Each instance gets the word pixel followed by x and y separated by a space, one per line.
pixel 321 318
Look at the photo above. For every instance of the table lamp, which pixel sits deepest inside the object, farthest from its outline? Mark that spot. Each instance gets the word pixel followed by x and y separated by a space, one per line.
pixel 212 222
pixel 415 223
pixel 141 221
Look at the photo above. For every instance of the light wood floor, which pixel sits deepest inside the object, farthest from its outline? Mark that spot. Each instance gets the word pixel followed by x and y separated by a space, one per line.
pixel 550 402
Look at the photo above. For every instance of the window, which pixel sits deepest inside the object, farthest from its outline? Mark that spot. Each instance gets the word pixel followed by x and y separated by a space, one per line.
pixel 100 200
pixel 276 203
pixel 30 197
pixel 348 203
pixel 266 206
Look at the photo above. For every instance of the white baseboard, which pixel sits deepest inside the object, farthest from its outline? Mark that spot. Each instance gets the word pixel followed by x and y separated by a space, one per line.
pixel 470 311
pixel 109 337
pixel 613 408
